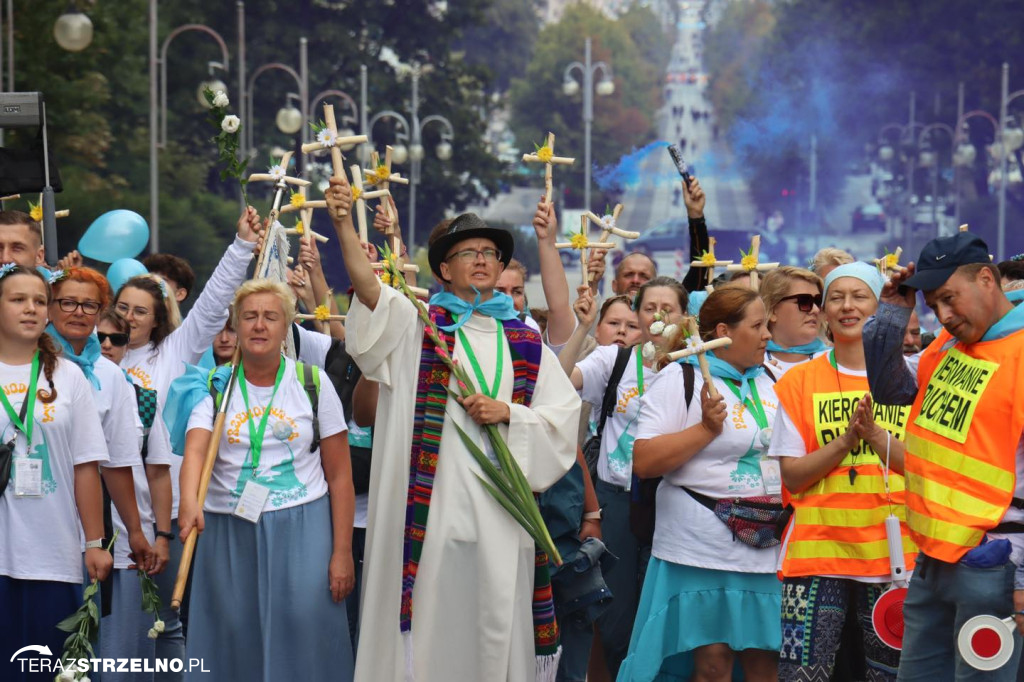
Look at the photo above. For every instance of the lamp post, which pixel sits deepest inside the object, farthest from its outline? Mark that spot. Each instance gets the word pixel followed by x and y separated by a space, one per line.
pixel 929 158
pixel 1009 141
pixel 965 153
pixel 158 99
pixel 301 80
pixel 443 150
pixel 570 86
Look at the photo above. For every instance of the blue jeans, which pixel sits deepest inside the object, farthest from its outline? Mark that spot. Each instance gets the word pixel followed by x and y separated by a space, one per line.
pixel 941 598
pixel 171 642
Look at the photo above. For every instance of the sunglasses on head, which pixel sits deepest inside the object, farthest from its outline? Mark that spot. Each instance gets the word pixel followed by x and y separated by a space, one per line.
pixel 116 339
pixel 804 302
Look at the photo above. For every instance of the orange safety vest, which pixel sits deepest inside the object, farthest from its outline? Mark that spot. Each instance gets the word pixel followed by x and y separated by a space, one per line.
pixel 962 440
pixel 838 526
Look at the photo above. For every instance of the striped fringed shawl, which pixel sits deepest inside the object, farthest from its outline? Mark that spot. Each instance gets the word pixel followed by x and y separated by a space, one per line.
pixel 431 397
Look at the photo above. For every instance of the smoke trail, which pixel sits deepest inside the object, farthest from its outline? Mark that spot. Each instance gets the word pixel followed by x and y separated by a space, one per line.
pixel 631 170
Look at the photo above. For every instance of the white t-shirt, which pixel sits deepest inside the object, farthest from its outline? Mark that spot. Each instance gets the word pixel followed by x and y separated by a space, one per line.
pixel 686 532
pixel 156 369
pixel 115 401
pixel 313 346
pixel 42 535
pixel 779 367
pixel 286 466
pixel 615 464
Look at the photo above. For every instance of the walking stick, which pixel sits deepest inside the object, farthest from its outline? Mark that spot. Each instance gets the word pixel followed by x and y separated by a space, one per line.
pixel 218 430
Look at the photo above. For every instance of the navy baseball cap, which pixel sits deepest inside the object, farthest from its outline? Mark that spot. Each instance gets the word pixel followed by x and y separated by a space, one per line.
pixel 942 256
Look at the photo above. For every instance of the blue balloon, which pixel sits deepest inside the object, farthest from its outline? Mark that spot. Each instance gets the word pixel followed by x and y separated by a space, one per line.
pixel 115 235
pixel 120 271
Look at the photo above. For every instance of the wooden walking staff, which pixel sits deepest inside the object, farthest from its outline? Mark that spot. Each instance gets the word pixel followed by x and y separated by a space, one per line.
pixel 546 155
pixel 750 264
pixel 699 348
pixel 328 138
pixel 580 242
pixel 710 261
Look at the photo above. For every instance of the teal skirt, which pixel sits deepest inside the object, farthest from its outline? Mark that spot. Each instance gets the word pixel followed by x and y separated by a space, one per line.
pixel 684 607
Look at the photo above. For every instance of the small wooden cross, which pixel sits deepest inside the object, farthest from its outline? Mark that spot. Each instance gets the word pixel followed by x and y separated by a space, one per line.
pixel 608 225
pixel 694 346
pixel 546 155
pixel 277 174
pixel 710 261
pixel 327 138
pixel 750 264
pixel 382 177
pixel 322 313
pixel 359 195
pixel 35 211
pixel 889 262
pixel 582 243
pixel 304 226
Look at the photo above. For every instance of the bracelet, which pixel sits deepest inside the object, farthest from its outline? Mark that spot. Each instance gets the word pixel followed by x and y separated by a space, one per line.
pixel 165 534
pixel 94 544
pixel 592 516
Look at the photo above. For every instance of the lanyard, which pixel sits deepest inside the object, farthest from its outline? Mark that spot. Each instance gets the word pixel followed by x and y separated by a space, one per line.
pixel 30 399
pixel 256 434
pixel 639 371
pixel 491 392
pixel 755 407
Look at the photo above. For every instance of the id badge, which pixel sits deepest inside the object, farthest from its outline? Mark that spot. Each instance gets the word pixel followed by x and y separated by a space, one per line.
pixel 251 503
pixel 28 477
pixel 771 474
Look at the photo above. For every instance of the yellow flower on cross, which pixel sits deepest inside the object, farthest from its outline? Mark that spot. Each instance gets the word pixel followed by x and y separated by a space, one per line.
pixel 35 211
pixel 356 193
pixel 322 313
pixel 579 241
pixel 892 260
pixel 385 278
pixel 545 154
pixel 299 228
pixel 748 262
pixel 298 200
pixel 708 258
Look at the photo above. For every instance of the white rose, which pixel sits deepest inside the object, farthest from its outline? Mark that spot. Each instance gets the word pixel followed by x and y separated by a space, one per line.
pixel 230 124
pixel 657 327
pixel 649 351
pixel 670 330
pixel 66 676
pixel 158 625
pixel 153 634
pixel 220 99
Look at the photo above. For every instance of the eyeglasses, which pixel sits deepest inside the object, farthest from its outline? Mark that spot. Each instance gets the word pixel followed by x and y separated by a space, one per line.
pixel 804 302
pixel 470 255
pixel 69 305
pixel 125 309
pixel 116 339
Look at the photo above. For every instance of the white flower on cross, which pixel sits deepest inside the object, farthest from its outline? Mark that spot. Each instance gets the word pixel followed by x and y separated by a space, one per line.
pixel 221 99
pixel 327 137
pixel 695 344
pixel 276 171
pixel 230 124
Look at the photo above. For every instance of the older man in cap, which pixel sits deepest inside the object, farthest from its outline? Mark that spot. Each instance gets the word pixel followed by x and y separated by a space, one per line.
pixel 450 595
pixel 964 450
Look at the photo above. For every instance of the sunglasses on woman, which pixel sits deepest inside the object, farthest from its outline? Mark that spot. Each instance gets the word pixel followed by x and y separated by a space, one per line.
pixel 804 302
pixel 116 339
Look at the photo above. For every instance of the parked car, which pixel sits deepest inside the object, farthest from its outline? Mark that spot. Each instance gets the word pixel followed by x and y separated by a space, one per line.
pixel 869 218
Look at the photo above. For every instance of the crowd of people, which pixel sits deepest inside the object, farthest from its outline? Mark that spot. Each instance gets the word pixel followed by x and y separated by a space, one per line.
pixel 724 467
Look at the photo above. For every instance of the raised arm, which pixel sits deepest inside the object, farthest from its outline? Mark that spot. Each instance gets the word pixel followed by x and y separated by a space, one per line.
pixel 694 197
pixel 586 311
pixel 892 383
pixel 561 320
pixel 364 281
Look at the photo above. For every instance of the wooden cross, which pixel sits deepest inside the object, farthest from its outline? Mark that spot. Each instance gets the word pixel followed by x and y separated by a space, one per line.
pixel 360 196
pixel 888 262
pixel 699 348
pixel 546 155
pixel 382 177
pixel 327 138
pixel 35 211
pixel 582 243
pixel 609 226
pixel 277 174
pixel 963 228
pixel 750 264
pixel 305 208
pixel 710 261
pixel 322 313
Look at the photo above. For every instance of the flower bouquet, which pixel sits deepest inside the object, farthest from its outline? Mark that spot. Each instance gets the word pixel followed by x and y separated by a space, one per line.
pixel 84 627
pixel 228 127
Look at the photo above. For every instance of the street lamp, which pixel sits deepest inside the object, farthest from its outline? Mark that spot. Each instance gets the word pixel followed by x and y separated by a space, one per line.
pixel 966 153
pixel 300 80
pixel 570 86
pixel 213 83
pixel 929 158
pixel 289 118
pixel 73 30
pixel 347 119
pixel 416 147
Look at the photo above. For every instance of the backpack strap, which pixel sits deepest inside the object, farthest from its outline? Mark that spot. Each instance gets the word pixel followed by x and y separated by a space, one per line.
pixel 608 403
pixel 688 373
pixel 309 376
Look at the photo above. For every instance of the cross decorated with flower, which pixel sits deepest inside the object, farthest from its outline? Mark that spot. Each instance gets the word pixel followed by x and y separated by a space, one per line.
pixel 359 197
pixel 322 314
pixel 709 260
pixel 35 211
pixel 889 262
pixel 608 224
pixel 303 227
pixel 327 138
pixel 546 154
pixel 381 177
pixel 277 174
pixel 579 241
pixel 696 346
pixel 750 264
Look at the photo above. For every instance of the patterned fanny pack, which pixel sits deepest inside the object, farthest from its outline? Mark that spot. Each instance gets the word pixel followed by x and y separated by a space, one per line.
pixel 755 521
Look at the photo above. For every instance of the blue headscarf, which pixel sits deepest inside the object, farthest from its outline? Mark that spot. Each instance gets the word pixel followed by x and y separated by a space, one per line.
pixel 723 370
pixel 86 359
pixel 859 270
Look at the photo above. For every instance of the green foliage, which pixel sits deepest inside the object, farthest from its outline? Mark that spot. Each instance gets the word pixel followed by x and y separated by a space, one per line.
pixel 621 121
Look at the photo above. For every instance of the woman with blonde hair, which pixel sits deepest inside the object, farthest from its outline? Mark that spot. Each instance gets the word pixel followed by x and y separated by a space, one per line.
pixel 275 565
pixel 792 297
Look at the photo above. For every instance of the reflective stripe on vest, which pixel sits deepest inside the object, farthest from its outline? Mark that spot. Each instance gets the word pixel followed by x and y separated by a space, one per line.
pixel 962 441
pixel 839 526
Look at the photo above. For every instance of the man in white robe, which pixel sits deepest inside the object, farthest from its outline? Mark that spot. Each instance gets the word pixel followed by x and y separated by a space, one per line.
pixel 472 613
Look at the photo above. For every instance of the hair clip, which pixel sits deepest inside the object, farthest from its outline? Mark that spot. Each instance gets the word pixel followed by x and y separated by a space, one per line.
pixel 1018 258
pixel 56 276
pixel 164 291
pixel 6 269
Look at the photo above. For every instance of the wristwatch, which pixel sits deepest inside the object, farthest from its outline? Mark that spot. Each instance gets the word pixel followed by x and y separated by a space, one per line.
pixel 94 544
pixel 165 534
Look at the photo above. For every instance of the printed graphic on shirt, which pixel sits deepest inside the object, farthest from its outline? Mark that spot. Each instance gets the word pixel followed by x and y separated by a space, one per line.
pixel 953 393
pixel 620 460
pixel 832 413
pixel 278 476
pixel 747 473
pixel 143 377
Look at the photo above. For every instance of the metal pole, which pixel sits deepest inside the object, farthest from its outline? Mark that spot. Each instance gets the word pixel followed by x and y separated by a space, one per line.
pixel 10 45
pixel 414 136
pixel 2 89
pixel 958 173
pixel 1003 166
pixel 303 97
pixel 363 113
pixel 588 117
pixel 814 174
pixel 909 227
pixel 154 174
pixel 240 7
